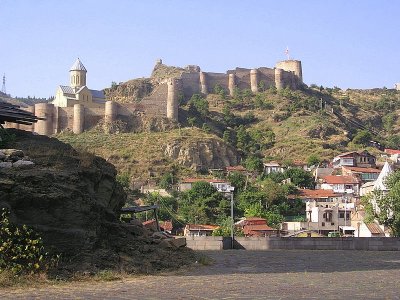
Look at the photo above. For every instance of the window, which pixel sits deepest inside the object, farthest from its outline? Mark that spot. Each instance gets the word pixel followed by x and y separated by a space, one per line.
pixel 341 215
pixel 347 216
pixel 323 224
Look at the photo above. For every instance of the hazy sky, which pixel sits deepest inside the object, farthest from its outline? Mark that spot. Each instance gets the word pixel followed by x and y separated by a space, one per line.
pixel 348 43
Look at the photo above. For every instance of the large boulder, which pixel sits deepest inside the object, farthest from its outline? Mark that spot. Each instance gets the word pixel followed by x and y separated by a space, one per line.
pixel 73 200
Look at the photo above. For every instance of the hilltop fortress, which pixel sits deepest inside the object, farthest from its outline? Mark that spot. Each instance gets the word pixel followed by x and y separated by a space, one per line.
pixel 77 108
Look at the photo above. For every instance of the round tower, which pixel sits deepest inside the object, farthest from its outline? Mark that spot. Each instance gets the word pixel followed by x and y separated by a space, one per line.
pixel 203 83
pixel 278 79
pixel 254 80
pixel 292 66
pixel 172 99
pixel 44 110
pixel 79 118
pixel 231 84
pixel 110 112
pixel 77 75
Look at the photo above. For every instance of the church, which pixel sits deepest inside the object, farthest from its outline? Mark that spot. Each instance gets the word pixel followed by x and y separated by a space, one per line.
pixel 77 92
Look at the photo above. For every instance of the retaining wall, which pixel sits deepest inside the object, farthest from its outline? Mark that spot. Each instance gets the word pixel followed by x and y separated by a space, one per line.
pixel 272 243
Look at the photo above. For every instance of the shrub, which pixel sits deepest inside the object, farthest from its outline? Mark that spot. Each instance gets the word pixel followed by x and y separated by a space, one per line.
pixel 21 249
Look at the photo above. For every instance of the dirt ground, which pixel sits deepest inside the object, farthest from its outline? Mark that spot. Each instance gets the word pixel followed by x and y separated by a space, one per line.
pixel 239 274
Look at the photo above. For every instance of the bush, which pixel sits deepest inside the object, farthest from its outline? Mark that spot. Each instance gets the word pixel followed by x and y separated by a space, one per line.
pixel 21 249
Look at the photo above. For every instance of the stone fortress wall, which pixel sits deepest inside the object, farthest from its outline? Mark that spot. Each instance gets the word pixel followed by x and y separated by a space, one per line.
pixel 164 99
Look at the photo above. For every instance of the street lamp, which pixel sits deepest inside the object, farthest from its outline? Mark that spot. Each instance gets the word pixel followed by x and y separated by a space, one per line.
pixel 230 190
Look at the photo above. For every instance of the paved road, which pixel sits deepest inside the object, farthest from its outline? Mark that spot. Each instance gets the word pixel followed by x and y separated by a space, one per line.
pixel 238 274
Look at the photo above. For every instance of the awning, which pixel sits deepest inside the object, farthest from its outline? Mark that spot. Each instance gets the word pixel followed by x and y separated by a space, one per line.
pixel 347 228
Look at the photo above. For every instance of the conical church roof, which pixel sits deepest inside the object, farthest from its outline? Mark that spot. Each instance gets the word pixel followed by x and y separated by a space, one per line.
pixel 380 181
pixel 78 66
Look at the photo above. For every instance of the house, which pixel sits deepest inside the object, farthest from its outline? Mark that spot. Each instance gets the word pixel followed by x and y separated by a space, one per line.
pixel 319 172
pixel 364 174
pixel 317 195
pixel 239 169
pixel 221 185
pixel 255 226
pixel 199 229
pixel 341 184
pixel 77 92
pixel 273 167
pixel 380 184
pixel 361 159
pixel 369 230
pixel 325 217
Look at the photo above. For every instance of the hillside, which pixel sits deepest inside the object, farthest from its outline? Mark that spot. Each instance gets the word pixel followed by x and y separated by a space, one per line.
pixel 277 125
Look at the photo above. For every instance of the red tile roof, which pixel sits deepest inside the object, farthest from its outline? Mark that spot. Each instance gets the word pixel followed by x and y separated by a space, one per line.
pixel 316 194
pixel 362 170
pixel 236 168
pixel 392 151
pixel 192 180
pixel 167 225
pixel 332 179
pixel 251 229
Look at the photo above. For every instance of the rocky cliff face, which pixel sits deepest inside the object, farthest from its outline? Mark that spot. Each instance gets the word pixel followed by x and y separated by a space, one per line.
pixel 211 154
pixel 73 201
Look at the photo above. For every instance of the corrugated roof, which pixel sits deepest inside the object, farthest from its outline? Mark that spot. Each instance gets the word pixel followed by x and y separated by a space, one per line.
pixel 374 228
pixel 362 170
pixel 67 89
pixel 201 227
pixel 332 179
pixel 97 94
pixel 249 229
pixel 78 66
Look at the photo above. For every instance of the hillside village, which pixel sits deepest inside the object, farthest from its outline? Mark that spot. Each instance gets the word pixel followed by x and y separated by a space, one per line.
pixel 292 160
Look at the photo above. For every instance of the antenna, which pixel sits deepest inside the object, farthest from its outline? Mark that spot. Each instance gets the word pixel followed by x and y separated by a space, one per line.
pixel 3 88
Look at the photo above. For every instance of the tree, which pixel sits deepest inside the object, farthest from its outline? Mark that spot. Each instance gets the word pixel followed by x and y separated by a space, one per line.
pixel 224 229
pixel 253 163
pixel 167 181
pixel 203 204
pixel 238 180
pixel 191 121
pixel 363 137
pixel 227 137
pixel 389 204
pixel 198 105
pixel 300 177
pixel 388 121
pixel 313 160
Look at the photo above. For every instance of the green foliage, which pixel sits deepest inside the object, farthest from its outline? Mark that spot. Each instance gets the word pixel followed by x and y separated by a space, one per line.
pixel 238 180
pixel 198 106
pixel 225 227
pixel 313 160
pixel 253 163
pixel 227 137
pixel 206 127
pixel 6 139
pixel 167 206
pixel 203 204
pixel 300 177
pixel 167 181
pixel 389 121
pixel 21 249
pixel 274 219
pixel 219 90
pixel 262 103
pixel 393 141
pixel 363 137
pixel 124 179
pixel 192 121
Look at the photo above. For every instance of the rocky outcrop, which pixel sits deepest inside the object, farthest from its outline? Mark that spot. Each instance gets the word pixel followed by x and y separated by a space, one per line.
pixel 73 200
pixel 210 153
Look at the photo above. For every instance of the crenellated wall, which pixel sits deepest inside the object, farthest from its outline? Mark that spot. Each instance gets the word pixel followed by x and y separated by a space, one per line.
pixel 165 97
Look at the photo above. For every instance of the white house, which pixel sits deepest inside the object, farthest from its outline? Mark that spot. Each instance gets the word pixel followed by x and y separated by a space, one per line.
pixel 341 184
pixel 273 167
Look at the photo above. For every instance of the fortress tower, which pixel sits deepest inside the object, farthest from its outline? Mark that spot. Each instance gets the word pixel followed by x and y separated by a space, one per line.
pixel 292 66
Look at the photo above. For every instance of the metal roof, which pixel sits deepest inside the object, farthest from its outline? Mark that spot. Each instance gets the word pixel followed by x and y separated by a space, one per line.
pixel 78 66
pixel 67 89
pixel 97 94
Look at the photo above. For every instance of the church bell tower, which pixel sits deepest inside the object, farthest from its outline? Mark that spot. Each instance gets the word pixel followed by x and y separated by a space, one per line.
pixel 77 75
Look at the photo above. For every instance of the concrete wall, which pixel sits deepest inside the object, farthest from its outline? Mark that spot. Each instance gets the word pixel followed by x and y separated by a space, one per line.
pixel 205 242
pixel 262 243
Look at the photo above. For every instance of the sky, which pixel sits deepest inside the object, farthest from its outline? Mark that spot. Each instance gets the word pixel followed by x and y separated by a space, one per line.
pixel 344 43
